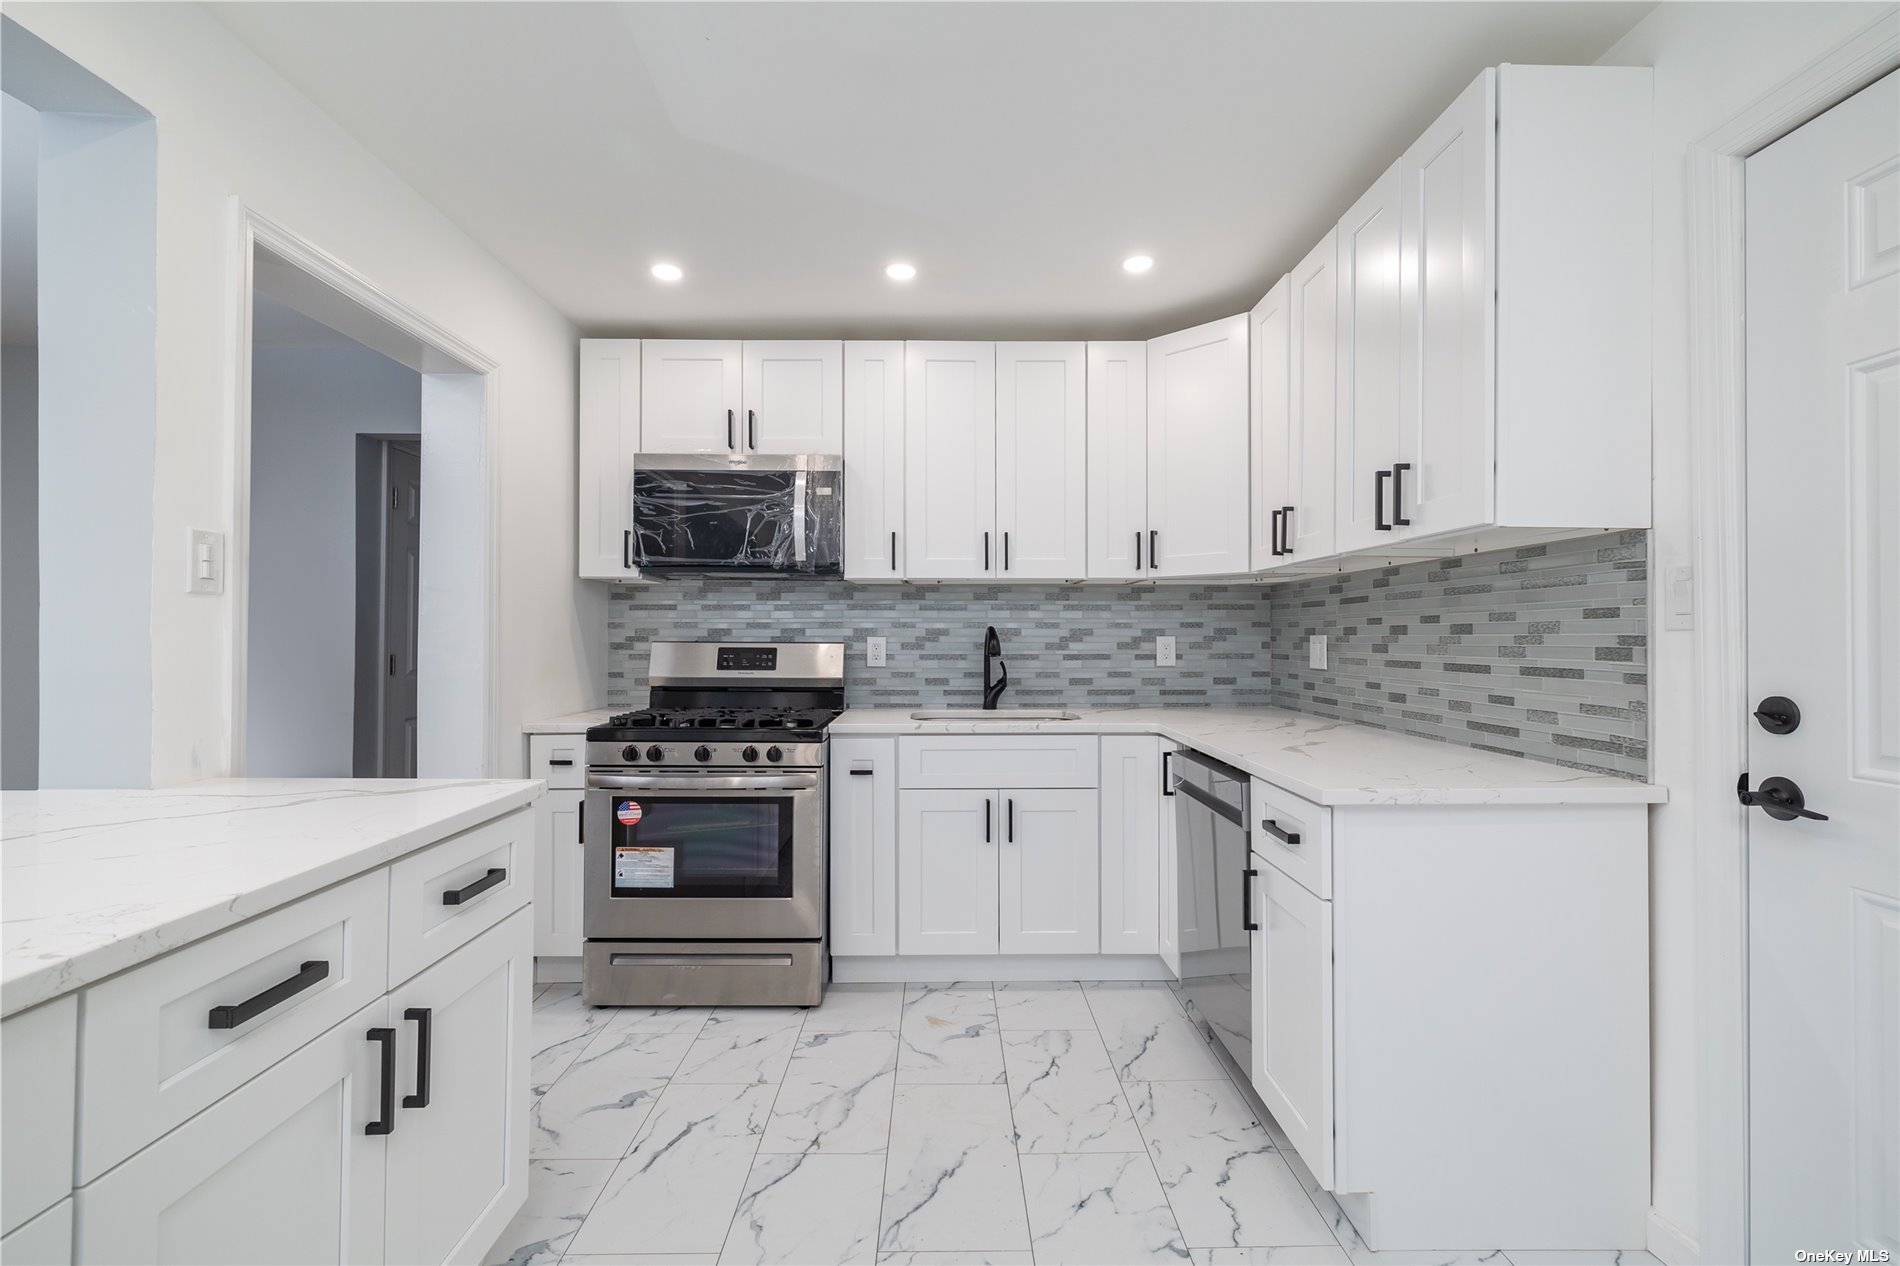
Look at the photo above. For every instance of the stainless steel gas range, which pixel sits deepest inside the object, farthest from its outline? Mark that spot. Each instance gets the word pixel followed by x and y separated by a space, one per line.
pixel 704 830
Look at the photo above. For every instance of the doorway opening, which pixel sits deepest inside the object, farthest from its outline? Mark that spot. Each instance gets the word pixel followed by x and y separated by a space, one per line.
pixel 388 593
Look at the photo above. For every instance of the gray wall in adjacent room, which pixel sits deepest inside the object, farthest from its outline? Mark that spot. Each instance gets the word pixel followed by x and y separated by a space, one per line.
pixel 1540 652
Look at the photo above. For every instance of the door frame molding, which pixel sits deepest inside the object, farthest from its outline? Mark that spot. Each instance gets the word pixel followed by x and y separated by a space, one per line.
pixel 1717 380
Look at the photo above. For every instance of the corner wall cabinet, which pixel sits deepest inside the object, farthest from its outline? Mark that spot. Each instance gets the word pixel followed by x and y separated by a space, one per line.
pixel 1198 483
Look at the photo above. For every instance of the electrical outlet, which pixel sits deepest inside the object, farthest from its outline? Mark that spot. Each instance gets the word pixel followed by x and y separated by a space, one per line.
pixel 204 564
pixel 1164 652
pixel 1316 651
pixel 874 652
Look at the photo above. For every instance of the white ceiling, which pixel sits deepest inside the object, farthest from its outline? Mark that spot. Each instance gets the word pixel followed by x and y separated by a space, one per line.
pixel 783 153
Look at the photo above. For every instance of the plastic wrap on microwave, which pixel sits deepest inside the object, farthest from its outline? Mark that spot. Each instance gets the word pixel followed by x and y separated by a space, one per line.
pixel 739 520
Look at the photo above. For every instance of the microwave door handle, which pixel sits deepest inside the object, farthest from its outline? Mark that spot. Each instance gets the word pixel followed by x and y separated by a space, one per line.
pixel 798 517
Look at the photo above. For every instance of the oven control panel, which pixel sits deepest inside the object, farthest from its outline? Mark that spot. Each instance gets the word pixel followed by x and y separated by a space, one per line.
pixel 747 659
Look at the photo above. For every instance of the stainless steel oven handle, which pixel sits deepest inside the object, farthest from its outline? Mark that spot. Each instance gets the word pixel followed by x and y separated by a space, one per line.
pixel 735 782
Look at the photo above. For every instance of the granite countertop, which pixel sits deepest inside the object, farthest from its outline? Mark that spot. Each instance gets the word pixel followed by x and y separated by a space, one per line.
pixel 1326 761
pixel 573 722
pixel 97 881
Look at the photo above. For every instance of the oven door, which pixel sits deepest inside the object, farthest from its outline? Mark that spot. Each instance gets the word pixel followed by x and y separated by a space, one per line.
pixel 703 857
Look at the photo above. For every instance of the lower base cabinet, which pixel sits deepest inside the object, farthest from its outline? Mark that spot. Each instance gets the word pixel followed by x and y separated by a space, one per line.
pixel 1293 1013
pixel 45 1240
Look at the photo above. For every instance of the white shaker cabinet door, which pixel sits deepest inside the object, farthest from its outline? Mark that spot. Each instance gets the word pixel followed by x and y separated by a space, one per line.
pixel 1313 382
pixel 1041 464
pixel 1269 325
pixel 1293 1013
pixel 946 872
pixel 794 396
pixel 278 1171
pixel 458 1157
pixel 46 1240
pixel 863 869
pixel 1131 844
pixel 1117 460
pixel 558 862
pixel 874 461
pixel 1198 482
pixel 609 438
pixel 950 461
pixel 690 397
pixel 1049 869
pixel 1366 414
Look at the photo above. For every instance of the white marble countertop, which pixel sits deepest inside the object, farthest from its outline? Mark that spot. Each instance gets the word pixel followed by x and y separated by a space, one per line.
pixel 96 881
pixel 572 723
pixel 1326 761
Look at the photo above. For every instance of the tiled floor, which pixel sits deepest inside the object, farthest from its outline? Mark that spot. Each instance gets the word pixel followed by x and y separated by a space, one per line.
pixel 929 1124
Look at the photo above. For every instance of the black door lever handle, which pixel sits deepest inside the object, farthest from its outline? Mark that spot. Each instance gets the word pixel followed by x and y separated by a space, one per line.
pixel 1779 798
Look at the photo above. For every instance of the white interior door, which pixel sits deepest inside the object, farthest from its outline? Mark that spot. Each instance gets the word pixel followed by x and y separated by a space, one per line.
pixel 949 460
pixel 794 396
pixel 690 396
pixel 1050 872
pixel 1823 285
pixel 1041 465
pixel 946 872
pixel 1118 458
pixel 874 460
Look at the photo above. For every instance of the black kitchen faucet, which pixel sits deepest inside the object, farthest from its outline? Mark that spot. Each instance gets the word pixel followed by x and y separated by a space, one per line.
pixel 992 653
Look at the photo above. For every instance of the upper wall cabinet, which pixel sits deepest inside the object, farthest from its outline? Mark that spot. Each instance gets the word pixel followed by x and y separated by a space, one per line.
pixel 1268 326
pixel 1041 467
pixel 874 461
pixel 949 460
pixel 1198 482
pixel 609 437
pixel 1118 460
pixel 1306 520
pixel 724 396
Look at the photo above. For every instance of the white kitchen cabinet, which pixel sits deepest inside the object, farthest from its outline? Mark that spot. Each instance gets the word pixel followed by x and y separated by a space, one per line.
pixel 1306 533
pixel 1117 460
pixel 947 872
pixel 1131 828
pixel 1268 327
pixel 863 858
pixel 1198 480
pixel 558 862
pixel 46 1240
pixel 278 1171
pixel 1049 885
pixel 690 396
pixel 38 1094
pixel 457 1161
pixel 793 393
pixel 874 461
pixel 1041 464
pixel 949 460
pixel 1293 1013
pixel 609 437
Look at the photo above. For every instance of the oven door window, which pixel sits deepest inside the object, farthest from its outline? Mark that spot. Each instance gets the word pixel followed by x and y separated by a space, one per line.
pixel 682 846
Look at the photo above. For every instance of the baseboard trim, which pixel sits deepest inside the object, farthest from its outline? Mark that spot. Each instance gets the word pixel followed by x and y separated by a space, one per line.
pixel 550 970
pixel 939 969
pixel 1671 1243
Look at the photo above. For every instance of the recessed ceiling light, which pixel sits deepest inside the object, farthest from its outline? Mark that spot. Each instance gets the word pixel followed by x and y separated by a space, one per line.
pixel 668 272
pixel 900 272
pixel 1137 264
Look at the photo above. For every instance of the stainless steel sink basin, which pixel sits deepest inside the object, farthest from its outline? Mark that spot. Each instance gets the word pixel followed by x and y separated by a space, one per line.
pixel 998 714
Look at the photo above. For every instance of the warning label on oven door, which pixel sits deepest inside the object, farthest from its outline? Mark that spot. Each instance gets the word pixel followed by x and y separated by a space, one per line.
pixel 642 866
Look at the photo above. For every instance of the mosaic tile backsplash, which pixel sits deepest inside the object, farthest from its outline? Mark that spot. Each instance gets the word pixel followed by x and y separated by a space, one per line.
pixel 1540 652
pixel 1064 644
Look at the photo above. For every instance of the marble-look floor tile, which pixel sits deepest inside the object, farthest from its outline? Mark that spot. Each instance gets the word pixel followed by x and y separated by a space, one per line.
pixel 1057 1004
pixel 1149 1036
pixel 1225 1180
pixel 676 1190
pixel 595 1107
pixel 847 1008
pixel 1359 1255
pixel 560 1193
pixel 1288 1255
pixel 740 1045
pixel 952 1181
pixel 803 1208
pixel 1103 1207
pixel 836 1095
pixel 1581 1257
pixel 1064 1094
pixel 658 1019
pixel 967 1258
pixel 561 1026
pixel 949 1035
pixel 640 1259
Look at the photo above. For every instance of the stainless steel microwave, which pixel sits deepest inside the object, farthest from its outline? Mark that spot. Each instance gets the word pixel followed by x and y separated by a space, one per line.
pixel 738 513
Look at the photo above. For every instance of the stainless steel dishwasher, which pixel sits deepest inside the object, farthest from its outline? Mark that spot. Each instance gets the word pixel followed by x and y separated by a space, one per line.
pixel 1213 887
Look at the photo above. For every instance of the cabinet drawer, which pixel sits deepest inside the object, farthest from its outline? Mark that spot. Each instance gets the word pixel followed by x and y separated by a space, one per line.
pixel 560 760
pixel 1294 834
pixel 1001 761
pixel 148 1054
pixel 445 896
pixel 45 1241
pixel 36 1109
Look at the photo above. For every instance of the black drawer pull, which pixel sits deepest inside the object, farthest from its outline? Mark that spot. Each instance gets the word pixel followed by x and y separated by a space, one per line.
pixel 1291 838
pixel 561 762
pixel 1246 900
pixel 307 975
pixel 385 1122
pixel 861 773
pixel 456 896
pixel 425 1028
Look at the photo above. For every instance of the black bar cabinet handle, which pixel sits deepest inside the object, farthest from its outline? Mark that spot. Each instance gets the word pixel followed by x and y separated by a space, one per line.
pixel 1378 501
pixel 385 1122
pixel 1272 828
pixel 751 429
pixel 307 975
pixel 1273 534
pixel 730 442
pixel 1246 900
pixel 893 551
pixel 1005 551
pixel 1167 773
pixel 626 549
pixel 1286 530
pixel 1137 551
pixel 1398 494
pixel 986 551
pixel 1154 549
pixel 560 762
pixel 1009 827
pixel 425 1028
pixel 456 896
pixel 986 819
pixel 862 773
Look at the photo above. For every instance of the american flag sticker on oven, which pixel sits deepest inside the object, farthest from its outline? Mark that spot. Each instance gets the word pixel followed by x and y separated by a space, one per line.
pixel 629 812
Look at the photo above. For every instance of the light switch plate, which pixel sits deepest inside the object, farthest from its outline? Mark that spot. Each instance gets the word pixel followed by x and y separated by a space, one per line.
pixel 1164 652
pixel 204 561
pixel 1316 651
pixel 874 652
pixel 1679 599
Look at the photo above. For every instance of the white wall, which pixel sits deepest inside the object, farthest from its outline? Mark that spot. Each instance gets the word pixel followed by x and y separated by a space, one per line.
pixel 308 405
pixel 232 129
pixel 1711 60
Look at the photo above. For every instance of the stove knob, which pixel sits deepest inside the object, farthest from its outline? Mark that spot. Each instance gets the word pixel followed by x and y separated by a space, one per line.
pixel 775 754
pixel 656 754
pixel 750 753
pixel 630 755
pixel 702 753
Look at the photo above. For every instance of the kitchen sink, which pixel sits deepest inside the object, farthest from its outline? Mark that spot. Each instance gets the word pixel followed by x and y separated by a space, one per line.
pixel 995 714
